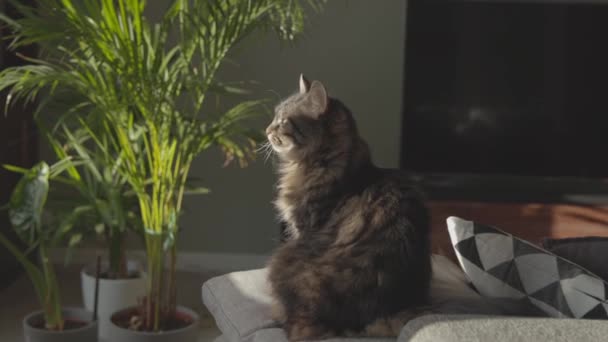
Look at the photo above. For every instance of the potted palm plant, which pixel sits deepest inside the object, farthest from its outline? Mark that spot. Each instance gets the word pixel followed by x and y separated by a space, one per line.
pixel 53 322
pixel 146 83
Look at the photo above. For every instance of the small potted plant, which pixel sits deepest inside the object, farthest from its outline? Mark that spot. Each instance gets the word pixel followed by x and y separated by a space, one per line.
pixel 99 202
pixel 53 322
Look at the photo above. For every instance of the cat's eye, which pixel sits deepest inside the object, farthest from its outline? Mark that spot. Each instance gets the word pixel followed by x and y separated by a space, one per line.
pixel 282 122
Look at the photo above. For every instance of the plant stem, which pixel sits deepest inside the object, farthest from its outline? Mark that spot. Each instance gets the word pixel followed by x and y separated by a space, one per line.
pixel 155 279
pixel 32 270
pixel 159 287
pixel 52 302
pixel 150 286
pixel 172 290
pixel 118 262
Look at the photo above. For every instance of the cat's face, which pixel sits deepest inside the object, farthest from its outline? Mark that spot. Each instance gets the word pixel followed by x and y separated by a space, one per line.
pixel 298 128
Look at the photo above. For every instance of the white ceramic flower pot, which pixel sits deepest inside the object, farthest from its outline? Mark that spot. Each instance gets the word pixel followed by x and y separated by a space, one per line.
pixel 34 333
pixel 186 334
pixel 114 294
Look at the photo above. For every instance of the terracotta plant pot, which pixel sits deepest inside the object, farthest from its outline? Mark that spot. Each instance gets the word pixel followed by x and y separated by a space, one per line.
pixel 188 333
pixel 114 294
pixel 33 331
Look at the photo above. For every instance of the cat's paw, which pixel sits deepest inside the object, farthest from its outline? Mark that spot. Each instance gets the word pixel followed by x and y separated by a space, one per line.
pixel 277 312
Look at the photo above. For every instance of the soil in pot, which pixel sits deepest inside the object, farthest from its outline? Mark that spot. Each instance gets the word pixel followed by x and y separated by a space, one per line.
pixel 130 319
pixel 68 324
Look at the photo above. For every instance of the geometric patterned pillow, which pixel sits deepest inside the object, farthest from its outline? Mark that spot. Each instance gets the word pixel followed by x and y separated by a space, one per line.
pixel 500 265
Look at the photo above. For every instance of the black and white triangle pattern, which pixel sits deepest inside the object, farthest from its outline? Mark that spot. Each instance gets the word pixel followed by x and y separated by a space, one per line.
pixel 502 266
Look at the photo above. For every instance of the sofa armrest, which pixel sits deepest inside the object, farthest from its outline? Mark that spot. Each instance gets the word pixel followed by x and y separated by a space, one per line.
pixel 470 328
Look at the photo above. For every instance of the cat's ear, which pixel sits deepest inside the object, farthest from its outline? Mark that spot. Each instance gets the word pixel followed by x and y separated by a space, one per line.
pixel 318 98
pixel 304 84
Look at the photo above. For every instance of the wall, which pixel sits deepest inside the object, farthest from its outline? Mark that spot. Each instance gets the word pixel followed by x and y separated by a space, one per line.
pixel 356 48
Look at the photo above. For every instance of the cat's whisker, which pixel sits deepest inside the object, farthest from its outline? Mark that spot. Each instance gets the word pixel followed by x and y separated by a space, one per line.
pixel 263 147
pixel 268 154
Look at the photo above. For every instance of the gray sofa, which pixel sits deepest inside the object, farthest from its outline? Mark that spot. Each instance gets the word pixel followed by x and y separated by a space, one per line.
pixel 451 328
pixel 240 304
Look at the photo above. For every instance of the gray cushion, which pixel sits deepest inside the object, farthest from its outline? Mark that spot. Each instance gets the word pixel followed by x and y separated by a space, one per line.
pixel 240 303
pixel 274 334
pixel 467 328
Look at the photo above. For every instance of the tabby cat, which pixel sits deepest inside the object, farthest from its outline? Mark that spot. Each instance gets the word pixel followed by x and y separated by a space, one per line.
pixel 357 259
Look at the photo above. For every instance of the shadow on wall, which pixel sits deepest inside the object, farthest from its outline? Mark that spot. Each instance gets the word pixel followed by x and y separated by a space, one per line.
pixel 18 146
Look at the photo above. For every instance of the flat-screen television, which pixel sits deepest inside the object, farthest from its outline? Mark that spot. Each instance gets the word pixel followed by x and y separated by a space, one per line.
pixel 507 100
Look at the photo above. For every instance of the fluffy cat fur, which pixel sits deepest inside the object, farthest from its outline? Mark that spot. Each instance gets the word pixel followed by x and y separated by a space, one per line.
pixel 357 260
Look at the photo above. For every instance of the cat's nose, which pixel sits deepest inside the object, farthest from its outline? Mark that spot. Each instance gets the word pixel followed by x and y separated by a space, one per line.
pixel 269 129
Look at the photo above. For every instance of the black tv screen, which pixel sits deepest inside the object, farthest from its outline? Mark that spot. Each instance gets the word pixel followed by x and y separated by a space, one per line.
pixel 506 88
